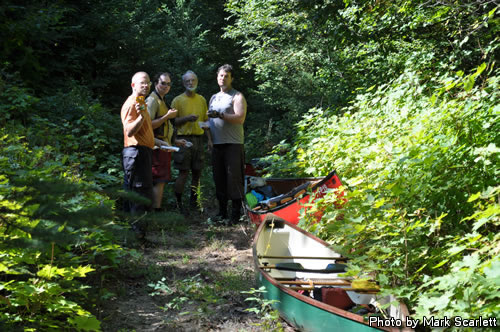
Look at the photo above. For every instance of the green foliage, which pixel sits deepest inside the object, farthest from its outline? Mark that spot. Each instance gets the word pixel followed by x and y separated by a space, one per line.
pixel 57 223
pixel 29 34
pixel 264 309
pixel 100 44
pixel 402 98
pixel 60 62
pixel 421 175
pixel 320 54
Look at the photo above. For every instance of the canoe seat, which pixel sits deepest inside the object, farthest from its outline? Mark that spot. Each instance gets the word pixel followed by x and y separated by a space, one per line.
pixel 297 267
pixel 335 267
pixel 290 266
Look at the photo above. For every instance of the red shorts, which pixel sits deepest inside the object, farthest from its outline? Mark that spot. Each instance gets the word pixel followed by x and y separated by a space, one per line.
pixel 161 166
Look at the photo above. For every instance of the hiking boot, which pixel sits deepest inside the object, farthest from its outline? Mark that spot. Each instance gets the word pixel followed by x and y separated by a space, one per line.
pixel 222 214
pixel 235 211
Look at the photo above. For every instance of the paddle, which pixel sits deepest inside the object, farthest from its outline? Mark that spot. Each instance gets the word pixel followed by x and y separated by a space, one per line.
pixel 361 285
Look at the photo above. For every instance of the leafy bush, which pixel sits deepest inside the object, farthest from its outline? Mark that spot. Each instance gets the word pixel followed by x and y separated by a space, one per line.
pixel 322 54
pixel 57 224
pixel 421 175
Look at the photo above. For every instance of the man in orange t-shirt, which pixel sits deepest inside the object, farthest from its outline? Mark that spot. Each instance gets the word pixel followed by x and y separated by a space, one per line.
pixel 138 143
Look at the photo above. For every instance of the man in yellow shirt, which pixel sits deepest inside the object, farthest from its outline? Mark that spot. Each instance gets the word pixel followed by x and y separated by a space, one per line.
pixel 192 109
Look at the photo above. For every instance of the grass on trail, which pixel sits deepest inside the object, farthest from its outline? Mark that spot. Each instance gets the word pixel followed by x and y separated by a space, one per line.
pixel 190 278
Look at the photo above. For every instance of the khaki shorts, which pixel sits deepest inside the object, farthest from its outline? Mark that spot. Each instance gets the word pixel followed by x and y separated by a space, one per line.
pixel 192 157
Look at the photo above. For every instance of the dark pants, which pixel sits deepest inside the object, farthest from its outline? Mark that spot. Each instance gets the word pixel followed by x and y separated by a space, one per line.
pixel 136 162
pixel 228 161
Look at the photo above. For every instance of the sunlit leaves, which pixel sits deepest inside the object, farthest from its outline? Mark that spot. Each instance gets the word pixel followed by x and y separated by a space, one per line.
pixel 492 272
pixel 419 203
pixel 50 271
pixel 54 220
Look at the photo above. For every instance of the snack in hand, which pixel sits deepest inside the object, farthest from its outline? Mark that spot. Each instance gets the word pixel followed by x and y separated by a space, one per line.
pixel 141 101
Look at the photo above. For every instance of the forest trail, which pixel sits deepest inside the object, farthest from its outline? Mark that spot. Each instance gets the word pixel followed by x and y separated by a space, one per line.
pixel 199 269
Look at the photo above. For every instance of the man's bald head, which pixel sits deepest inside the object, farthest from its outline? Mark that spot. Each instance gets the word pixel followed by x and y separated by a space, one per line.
pixel 140 83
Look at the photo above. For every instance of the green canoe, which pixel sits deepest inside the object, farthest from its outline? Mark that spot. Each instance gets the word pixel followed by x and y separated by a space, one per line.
pixel 302 273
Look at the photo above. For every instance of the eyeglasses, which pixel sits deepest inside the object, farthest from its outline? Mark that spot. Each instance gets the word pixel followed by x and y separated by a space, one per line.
pixel 166 83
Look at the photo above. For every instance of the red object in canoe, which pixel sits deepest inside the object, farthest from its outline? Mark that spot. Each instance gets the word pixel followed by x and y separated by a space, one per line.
pixel 250 170
pixel 254 168
pixel 289 210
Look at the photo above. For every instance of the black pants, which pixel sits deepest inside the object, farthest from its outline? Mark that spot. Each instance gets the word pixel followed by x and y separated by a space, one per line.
pixel 136 162
pixel 228 162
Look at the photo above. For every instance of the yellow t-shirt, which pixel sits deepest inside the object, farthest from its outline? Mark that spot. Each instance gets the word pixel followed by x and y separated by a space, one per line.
pixel 187 106
pixel 156 109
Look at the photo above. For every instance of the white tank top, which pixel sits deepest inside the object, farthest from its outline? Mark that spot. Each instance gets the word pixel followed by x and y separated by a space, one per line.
pixel 222 131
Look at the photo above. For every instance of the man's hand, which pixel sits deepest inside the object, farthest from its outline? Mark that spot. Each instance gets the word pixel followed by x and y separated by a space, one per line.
pixel 185 119
pixel 192 117
pixel 215 114
pixel 139 108
pixel 159 143
pixel 180 142
pixel 172 113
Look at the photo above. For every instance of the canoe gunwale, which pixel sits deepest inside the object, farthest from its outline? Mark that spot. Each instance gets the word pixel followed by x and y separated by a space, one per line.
pixel 310 301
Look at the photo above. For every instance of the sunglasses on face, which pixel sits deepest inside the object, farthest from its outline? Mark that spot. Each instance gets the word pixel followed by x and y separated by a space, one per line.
pixel 166 83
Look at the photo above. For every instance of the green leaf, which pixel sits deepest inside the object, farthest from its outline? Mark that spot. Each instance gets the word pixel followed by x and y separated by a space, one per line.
pixel 469 83
pixel 48 272
pixel 473 197
pixel 442 302
pixel 444 261
pixel 85 323
pixel 492 272
pixel 456 249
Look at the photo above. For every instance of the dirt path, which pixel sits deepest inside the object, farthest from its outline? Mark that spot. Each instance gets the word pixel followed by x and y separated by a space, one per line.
pixel 189 279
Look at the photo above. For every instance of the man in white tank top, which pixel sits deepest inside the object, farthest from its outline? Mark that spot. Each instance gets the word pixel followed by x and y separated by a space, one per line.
pixel 227 112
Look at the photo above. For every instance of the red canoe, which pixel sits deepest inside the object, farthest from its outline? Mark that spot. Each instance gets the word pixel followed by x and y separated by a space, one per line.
pixel 291 195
